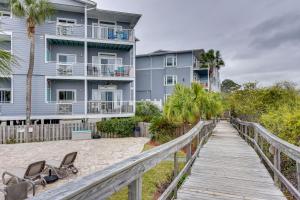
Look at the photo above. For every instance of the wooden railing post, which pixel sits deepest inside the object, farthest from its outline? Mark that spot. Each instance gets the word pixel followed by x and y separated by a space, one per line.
pixel 176 169
pixel 135 189
pixel 189 156
pixel 277 162
pixel 298 175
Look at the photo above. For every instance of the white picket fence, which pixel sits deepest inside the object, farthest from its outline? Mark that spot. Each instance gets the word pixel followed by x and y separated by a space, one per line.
pixel 43 132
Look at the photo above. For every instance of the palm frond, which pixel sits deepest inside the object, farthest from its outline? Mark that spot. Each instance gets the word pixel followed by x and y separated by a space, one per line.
pixel 6 61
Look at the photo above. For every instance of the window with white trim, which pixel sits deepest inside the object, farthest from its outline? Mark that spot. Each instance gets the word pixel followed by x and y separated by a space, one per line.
pixel 66 58
pixel 5 95
pixel 66 96
pixel 66 21
pixel 170 80
pixel 171 61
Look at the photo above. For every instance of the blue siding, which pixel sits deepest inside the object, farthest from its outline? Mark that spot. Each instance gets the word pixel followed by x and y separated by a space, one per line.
pixel 151 72
pixel 20 48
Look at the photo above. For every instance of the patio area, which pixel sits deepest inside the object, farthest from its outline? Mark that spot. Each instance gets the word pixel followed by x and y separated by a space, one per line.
pixel 93 155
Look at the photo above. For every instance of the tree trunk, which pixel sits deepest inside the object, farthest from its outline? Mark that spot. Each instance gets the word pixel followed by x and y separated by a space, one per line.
pixel 29 80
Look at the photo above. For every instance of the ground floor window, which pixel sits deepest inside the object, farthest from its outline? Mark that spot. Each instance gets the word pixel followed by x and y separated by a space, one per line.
pixel 66 95
pixel 170 80
pixel 5 95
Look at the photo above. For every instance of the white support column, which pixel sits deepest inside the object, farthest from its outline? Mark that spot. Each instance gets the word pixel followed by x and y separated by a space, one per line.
pixel 134 86
pixel 85 62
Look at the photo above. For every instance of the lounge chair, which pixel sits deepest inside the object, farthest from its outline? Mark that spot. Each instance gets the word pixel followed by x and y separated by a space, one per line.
pixel 33 174
pixel 18 191
pixel 64 168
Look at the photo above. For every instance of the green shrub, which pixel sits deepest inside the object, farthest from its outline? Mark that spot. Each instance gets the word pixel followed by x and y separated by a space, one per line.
pixel 283 122
pixel 146 111
pixel 162 129
pixel 124 127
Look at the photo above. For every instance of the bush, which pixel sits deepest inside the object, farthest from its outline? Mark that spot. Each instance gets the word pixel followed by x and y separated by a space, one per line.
pixel 145 111
pixel 124 127
pixel 283 122
pixel 162 129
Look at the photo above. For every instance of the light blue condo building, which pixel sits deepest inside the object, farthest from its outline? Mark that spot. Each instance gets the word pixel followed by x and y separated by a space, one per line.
pixel 158 72
pixel 84 63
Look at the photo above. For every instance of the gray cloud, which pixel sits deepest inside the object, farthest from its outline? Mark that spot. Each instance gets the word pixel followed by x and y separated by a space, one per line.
pixel 259 39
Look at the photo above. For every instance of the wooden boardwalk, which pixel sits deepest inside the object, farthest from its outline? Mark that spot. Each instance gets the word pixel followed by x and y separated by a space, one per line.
pixel 228 169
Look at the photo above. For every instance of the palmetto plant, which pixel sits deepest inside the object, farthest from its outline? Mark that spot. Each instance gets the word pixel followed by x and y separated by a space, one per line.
pixel 187 104
pixel 181 107
pixel 35 13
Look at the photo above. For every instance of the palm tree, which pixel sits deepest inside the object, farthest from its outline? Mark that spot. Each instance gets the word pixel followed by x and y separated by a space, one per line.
pixel 35 12
pixel 210 60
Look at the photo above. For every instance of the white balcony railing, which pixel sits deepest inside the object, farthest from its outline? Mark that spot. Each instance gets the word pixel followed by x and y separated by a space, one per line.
pixel 110 107
pixel 64 108
pixel 110 33
pixel 109 70
pixel 64 69
pixel 64 29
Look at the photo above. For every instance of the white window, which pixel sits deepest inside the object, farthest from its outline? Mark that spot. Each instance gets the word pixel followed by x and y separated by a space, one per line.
pixel 66 21
pixel 170 80
pixel 171 61
pixel 66 58
pixel 66 96
pixel 5 95
pixel 5 42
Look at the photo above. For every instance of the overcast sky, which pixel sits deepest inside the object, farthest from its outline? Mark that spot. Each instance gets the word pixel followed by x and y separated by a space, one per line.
pixel 259 39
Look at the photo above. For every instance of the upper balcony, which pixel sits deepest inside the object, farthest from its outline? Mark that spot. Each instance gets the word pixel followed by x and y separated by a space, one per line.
pixel 116 33
pixel 94 32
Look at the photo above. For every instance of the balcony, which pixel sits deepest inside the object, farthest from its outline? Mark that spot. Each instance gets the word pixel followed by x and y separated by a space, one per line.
pixel 116 33
pixel 109 70
pixel 64 108
pixel 110 107
pixel 53 68
pixel 73 30
pixel 111 33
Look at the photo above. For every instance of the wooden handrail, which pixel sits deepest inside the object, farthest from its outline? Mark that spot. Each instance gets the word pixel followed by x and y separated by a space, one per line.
pixel 102 184
pixel 278 146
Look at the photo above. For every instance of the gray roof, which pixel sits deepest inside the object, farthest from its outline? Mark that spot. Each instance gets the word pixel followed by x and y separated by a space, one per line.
pixel 196 52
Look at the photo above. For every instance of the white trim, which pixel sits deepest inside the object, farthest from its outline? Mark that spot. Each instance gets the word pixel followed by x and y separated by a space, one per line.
pixel 76 116
pixel 81 39
pixel 174 80
pixel 65 54
pixel 66 90
pixel 174 60
pixel 162 68
pixel 67 19
pixel 11 89
pixel 8 33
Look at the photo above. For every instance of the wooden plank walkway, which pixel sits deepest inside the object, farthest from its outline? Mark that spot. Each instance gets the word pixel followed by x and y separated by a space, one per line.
pixel 228 169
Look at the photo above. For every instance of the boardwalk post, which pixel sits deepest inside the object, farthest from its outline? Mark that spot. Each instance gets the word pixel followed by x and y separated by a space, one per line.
pixel 188 156
pixel 277 165
pixel 135 189
pixel 175 172
pixel 298 175
pixel 255 138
